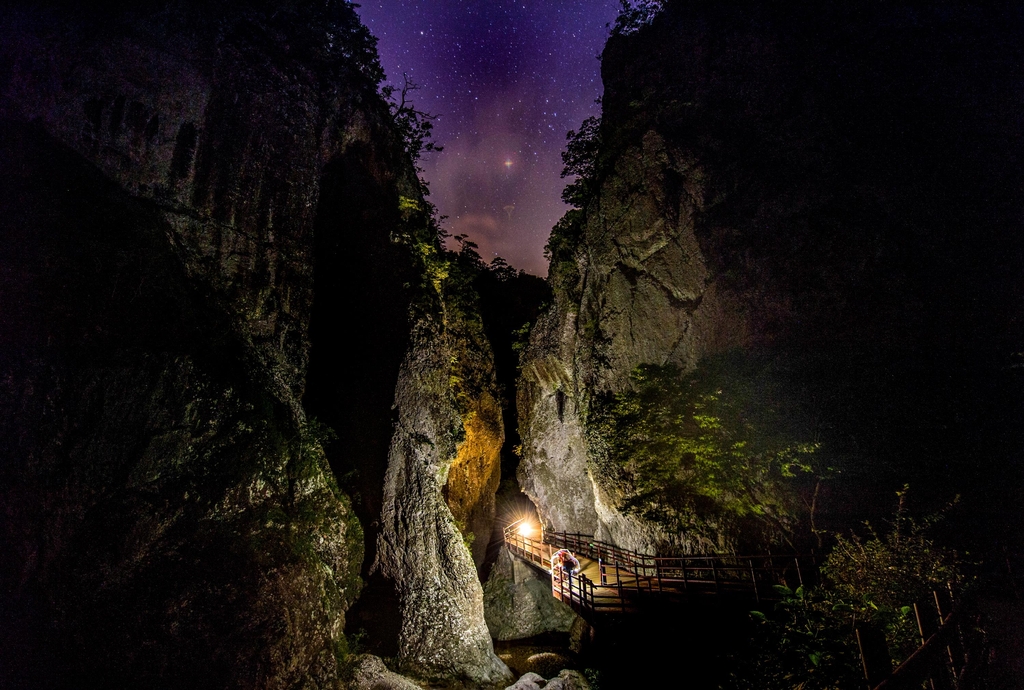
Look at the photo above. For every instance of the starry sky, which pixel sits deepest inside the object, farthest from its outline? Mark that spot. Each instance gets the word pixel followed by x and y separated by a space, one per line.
pixel 506 79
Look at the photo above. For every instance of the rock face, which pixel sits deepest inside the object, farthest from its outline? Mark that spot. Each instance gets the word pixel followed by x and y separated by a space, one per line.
pixel 474 475
pixel 518 602
pixel 370 673
pixel 420 548
pixel 761 179
pixel 565 680
pixel 172 176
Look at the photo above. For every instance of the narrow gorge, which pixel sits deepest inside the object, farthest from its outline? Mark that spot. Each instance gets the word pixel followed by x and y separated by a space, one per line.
pixel 263 421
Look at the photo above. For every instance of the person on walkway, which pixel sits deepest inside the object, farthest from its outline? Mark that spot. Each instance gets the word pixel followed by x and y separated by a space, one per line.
pixel 562 561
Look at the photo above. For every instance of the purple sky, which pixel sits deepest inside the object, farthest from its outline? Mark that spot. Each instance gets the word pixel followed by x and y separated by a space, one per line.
pixel 506 80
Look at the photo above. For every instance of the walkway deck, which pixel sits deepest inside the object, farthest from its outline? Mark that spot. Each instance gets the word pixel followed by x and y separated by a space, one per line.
pixel 613 580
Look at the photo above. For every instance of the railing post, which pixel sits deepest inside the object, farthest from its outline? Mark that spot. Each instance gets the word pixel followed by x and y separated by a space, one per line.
pixel 618 584
pixel 714 571
pixel 753 581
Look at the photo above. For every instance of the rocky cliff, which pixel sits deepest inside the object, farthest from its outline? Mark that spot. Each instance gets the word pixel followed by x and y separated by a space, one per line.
pixel 199 201
pixel 804 181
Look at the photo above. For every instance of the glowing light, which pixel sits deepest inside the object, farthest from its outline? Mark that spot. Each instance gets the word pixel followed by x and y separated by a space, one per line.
pixel 508 163
pixel 526 529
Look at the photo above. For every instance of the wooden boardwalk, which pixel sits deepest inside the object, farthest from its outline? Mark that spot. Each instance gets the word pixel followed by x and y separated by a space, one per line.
pixel 616 581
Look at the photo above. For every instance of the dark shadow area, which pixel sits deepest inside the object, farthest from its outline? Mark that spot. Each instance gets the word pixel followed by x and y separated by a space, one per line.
pixel 509 304
pixel 688 646
pixel 359 333
pixel 865 162
pixel 101 335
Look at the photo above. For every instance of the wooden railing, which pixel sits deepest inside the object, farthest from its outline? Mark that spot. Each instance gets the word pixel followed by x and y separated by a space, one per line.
pixel 577 591
pixel 532 550
pixel 627 577
pixel 938 661
pixel 717 573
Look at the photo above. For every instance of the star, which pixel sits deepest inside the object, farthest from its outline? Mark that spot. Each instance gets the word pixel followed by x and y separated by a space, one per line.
pixel 483 58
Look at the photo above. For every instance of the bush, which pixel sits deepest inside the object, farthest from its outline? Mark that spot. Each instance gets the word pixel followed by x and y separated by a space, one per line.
pixel 699 458
pixel 635 14
pixel 881 577
pixel 808 640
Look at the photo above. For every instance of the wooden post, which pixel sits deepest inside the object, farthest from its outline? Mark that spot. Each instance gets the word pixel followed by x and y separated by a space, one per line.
pixel 942 619
pixel 714 571
pixel 753 581
pixel 874 655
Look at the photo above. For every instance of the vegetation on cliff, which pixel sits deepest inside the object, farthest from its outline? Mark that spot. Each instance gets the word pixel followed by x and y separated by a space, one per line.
pixel 710 454
pixel 808 640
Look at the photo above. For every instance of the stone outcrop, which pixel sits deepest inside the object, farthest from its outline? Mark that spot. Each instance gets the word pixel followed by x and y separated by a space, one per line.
pixel 518 602
pixel 565 680
pixel 474 475
pixel 368 672
pixel 763 181
pixel 420 549
pixel 186 190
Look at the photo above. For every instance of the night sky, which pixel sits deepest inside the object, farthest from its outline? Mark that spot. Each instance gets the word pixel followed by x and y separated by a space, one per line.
pixel 506 81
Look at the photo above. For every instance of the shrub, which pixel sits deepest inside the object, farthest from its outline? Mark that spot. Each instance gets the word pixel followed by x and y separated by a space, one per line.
pixel 692 456
pixel 808 640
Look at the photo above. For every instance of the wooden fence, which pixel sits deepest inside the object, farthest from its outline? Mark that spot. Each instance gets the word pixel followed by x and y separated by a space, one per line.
pixel 629 578
pixel 720 574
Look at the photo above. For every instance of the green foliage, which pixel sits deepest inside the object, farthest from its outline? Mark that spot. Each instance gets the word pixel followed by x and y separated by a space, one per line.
pixel 414 126
pixel 580 159
pixel 691 454
pixel 347 648
pixel 565 237
pixel 808 641
pixel 329 32
pixel 521 338
pixel 560 251
pixel 314 436
pixel 348 39
pixel 881 576
pixel 634 15
pixel 501 270
pixel 468 537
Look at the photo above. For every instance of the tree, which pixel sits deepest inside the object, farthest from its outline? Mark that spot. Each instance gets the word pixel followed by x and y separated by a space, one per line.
pixel 697 458
pixel 808 641
pixel 580 158
pixel 882 576
pixel 501 270
pixel 634 15
pixel 415 126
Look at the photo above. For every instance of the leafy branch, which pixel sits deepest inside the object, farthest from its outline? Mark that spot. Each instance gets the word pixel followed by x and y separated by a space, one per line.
pixel 415 126
pixel 634 15
pixel 692 456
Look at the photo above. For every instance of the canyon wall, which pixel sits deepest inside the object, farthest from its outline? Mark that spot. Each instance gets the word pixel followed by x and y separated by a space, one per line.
pixel 802 181
pixel 186 190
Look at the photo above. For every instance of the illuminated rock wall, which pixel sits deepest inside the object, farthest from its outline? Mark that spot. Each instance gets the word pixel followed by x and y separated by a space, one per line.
pixel 783 179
